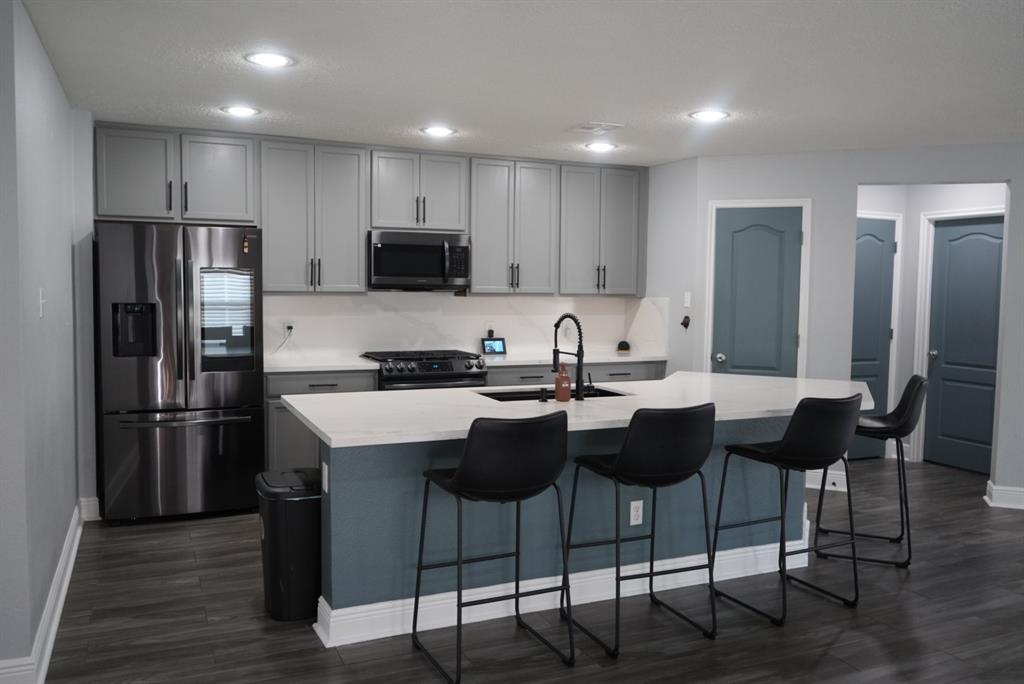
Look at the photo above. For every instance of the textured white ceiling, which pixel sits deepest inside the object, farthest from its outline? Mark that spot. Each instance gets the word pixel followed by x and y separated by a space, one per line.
pixel 515 77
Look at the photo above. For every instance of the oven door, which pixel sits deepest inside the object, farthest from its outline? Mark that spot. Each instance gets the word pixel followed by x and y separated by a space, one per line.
pixel 418 261
pixel 477 381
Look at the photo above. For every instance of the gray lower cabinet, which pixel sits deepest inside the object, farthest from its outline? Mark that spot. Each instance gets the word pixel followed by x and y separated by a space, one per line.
pixel 137 174
pixel 599 372
pixel 218 176
pixel 600 231
pixel 514 218
pixel 290 444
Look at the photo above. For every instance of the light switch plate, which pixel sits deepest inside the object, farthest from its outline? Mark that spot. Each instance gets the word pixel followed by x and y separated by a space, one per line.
pixel 687 299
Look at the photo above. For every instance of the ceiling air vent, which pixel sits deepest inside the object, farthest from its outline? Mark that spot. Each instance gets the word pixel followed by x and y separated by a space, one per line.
pixel 596 128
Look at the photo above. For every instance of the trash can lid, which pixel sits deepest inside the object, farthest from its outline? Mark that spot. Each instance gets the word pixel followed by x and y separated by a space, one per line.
pixel 289 484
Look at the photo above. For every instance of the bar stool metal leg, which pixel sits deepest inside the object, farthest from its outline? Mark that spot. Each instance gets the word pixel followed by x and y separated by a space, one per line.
pixel 904 506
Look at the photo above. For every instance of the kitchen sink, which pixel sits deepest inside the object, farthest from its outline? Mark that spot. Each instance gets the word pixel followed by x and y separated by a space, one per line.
pixel 534 394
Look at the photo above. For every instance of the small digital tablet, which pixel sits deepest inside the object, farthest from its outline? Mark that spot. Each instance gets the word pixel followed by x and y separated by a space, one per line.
pixel 493 345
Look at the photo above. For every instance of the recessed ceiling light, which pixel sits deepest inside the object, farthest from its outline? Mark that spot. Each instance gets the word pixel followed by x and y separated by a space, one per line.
pixel 709 115
pixel 438 131
pixel 240 111
pixel 270 60
pixel 600 146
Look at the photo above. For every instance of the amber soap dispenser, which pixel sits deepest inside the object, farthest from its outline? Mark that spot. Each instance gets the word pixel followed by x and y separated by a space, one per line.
pixel 563 384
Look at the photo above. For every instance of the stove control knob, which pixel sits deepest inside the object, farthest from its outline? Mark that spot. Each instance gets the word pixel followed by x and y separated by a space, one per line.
pixel 388 368
pixel 469 365
pixel 400 366
pixel 480 364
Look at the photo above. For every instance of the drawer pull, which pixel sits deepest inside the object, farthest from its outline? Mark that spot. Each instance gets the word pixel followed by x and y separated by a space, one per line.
pixel 619 375
pixel 323 385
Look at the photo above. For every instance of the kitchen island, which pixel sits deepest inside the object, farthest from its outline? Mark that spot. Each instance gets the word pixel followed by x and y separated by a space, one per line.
pixel 376 445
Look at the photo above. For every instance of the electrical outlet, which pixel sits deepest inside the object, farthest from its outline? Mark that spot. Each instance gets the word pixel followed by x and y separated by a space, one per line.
pixel 687 299
pixel 636 513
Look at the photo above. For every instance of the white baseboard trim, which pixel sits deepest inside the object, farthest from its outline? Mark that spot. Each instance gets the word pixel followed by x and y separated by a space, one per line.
pixel 999 496
pixel 32 669
pixel 90 508
pixel 836 480
pixel 392 618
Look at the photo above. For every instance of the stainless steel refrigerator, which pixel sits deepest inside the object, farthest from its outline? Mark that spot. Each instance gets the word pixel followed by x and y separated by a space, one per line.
pixel 179 359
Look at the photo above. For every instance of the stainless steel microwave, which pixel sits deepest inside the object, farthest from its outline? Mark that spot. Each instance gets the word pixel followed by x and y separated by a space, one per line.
pixel 406 260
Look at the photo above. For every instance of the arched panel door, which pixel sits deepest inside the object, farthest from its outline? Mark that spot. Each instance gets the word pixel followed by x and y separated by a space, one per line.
pixel 966 273
pixel 872 319
pixel 757 290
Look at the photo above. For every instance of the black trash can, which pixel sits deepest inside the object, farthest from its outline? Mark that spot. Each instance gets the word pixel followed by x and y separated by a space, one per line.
pixel 290 534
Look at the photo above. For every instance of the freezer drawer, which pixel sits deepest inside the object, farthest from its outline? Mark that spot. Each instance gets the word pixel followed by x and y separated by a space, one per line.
pixel 176 462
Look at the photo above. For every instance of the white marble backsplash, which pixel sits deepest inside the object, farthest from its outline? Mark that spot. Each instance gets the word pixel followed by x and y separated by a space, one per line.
pixel 351 324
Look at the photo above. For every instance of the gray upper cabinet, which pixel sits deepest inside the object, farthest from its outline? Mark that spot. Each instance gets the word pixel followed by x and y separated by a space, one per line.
pixel 600 230
pixel 581 221
pixel 536 228
pixel 342 196
pixel 286 198
pixel 136 173
pixel 396 190
pixel 620 235
pixel 313 204
pixel 492 213
pixel 515 226
pixel 422 191
pixel 218 178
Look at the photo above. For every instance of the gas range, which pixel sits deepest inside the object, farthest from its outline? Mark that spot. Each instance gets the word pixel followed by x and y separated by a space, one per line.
pixel 429 368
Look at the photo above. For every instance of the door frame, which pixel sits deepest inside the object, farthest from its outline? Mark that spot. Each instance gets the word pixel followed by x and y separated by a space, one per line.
pixel 805 271
pixel 897 284
pixel 922 321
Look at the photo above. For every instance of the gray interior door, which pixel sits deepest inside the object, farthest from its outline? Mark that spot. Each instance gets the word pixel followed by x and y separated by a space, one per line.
pixel 872 319
pixel 757 290
pixel 966 271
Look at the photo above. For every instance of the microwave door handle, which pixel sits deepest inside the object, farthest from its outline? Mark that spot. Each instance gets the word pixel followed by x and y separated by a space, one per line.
pixel 447 261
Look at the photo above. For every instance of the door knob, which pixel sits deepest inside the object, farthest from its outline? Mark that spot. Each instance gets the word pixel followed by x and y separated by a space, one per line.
pixel 720 357
pixel 933 353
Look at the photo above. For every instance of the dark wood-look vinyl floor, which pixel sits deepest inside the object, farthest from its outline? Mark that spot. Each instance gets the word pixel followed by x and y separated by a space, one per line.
pixel 181 601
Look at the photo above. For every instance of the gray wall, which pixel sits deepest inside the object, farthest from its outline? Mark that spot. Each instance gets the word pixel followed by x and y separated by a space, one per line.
pixel 38 458
pixel 15 636
pixel 830 180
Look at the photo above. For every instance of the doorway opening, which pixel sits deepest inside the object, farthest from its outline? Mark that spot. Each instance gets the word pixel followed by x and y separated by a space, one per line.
pixel 926 302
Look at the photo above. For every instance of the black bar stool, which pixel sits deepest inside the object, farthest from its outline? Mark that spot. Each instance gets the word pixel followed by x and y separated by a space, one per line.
pixel 896 425
pixel 663 447
pixel 503 461
pixel 819 434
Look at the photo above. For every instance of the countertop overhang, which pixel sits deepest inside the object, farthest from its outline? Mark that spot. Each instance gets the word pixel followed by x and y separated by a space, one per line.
pixel 355 419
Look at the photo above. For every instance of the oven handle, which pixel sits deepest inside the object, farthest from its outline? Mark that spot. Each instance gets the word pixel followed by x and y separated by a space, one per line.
pixel 447 261
pixel 440 384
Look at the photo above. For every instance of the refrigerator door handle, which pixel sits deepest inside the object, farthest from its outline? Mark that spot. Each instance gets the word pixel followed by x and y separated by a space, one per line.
pixel 191 287
pixel 179 321
pixel 195 422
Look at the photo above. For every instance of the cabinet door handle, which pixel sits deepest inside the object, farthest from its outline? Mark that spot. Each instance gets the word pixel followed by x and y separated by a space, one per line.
pixel 424 210
pixel 517 276
pixel 511 276
pixel 598 277
pixel 417 209
pixel 312 271
pixel 319 272
pixel 619 375
pixel 185 202
pixel 322 385
pixel 170 190
pixel 604 271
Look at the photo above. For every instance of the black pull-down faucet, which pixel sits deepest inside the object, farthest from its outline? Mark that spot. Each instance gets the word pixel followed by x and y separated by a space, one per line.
pixel 556 353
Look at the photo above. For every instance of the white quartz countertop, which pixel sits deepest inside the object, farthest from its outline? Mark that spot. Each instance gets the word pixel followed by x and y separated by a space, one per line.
pixel 328 361
pixel 351 419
